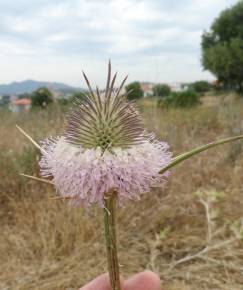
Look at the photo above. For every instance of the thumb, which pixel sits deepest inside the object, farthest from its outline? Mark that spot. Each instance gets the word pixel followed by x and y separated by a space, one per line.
pixel 146 280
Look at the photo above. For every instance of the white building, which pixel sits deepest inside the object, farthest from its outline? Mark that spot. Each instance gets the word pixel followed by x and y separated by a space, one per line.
pixel 147 89
pixel 178 87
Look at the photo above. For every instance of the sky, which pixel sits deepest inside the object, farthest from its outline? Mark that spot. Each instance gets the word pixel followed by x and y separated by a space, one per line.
pixel 151 40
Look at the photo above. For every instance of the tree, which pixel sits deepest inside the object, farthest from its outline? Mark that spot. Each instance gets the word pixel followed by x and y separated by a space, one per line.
pixel 161 90
pixel 41 98
pixel 134 91
pixel 201 86
pixel 222 47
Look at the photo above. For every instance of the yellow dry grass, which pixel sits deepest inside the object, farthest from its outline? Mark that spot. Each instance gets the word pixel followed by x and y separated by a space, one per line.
pixel 192 241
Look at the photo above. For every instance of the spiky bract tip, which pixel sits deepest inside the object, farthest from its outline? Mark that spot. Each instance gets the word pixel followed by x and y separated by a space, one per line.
pixel 106 120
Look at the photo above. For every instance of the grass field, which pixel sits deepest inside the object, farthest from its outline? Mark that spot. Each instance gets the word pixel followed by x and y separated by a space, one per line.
pixel 191 233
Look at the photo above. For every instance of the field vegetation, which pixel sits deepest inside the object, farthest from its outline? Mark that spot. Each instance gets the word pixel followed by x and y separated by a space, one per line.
pixel 191 233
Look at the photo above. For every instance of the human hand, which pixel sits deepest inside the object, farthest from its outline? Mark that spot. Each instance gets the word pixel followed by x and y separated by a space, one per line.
pixel 146 280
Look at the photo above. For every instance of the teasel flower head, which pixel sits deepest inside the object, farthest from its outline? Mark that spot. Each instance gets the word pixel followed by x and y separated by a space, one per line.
pixel 104 148
pixel 104 120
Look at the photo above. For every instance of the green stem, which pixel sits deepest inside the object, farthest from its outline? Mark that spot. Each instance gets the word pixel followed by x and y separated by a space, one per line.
pixel 111 243
pixel 197 150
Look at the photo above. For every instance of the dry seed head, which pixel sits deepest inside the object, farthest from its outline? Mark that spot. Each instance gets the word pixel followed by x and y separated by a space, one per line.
pixel 104 120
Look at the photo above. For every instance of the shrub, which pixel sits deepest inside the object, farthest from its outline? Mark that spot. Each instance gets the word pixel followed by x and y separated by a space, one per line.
pixel 41 98
pixel 161 90
pixel 201 86
pixel 135 91
pixel 185 99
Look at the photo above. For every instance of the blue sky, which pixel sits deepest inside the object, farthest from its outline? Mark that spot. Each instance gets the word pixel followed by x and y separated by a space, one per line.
pixel 151 40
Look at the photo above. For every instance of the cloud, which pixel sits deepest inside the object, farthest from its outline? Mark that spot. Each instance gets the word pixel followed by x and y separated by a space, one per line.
pixel 155 40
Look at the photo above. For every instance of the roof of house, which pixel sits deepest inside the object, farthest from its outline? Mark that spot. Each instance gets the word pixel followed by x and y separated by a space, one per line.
pixel 23 101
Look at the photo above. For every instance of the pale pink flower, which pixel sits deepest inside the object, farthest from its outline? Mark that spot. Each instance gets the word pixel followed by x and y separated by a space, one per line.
pixel 87 174
pixel 104 149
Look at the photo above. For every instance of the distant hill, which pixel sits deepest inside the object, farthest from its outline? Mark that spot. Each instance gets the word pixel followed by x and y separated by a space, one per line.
pixel 29 86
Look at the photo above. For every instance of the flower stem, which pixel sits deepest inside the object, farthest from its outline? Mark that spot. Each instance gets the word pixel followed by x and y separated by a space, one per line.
pixel 110 236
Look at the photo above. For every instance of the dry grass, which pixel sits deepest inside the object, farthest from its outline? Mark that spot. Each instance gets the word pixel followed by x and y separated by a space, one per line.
pixel 194 241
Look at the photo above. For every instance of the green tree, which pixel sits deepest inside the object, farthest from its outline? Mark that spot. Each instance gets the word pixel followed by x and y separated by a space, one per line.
pixel 200 86
pixel 222 47
pixel 161 90
pixel 134 91
pixel 41 97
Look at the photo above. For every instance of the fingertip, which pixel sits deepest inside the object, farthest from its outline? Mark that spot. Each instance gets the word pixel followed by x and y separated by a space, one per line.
pixel 146 280
pixel 152 278
pixel 101 283
pixel 151 275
